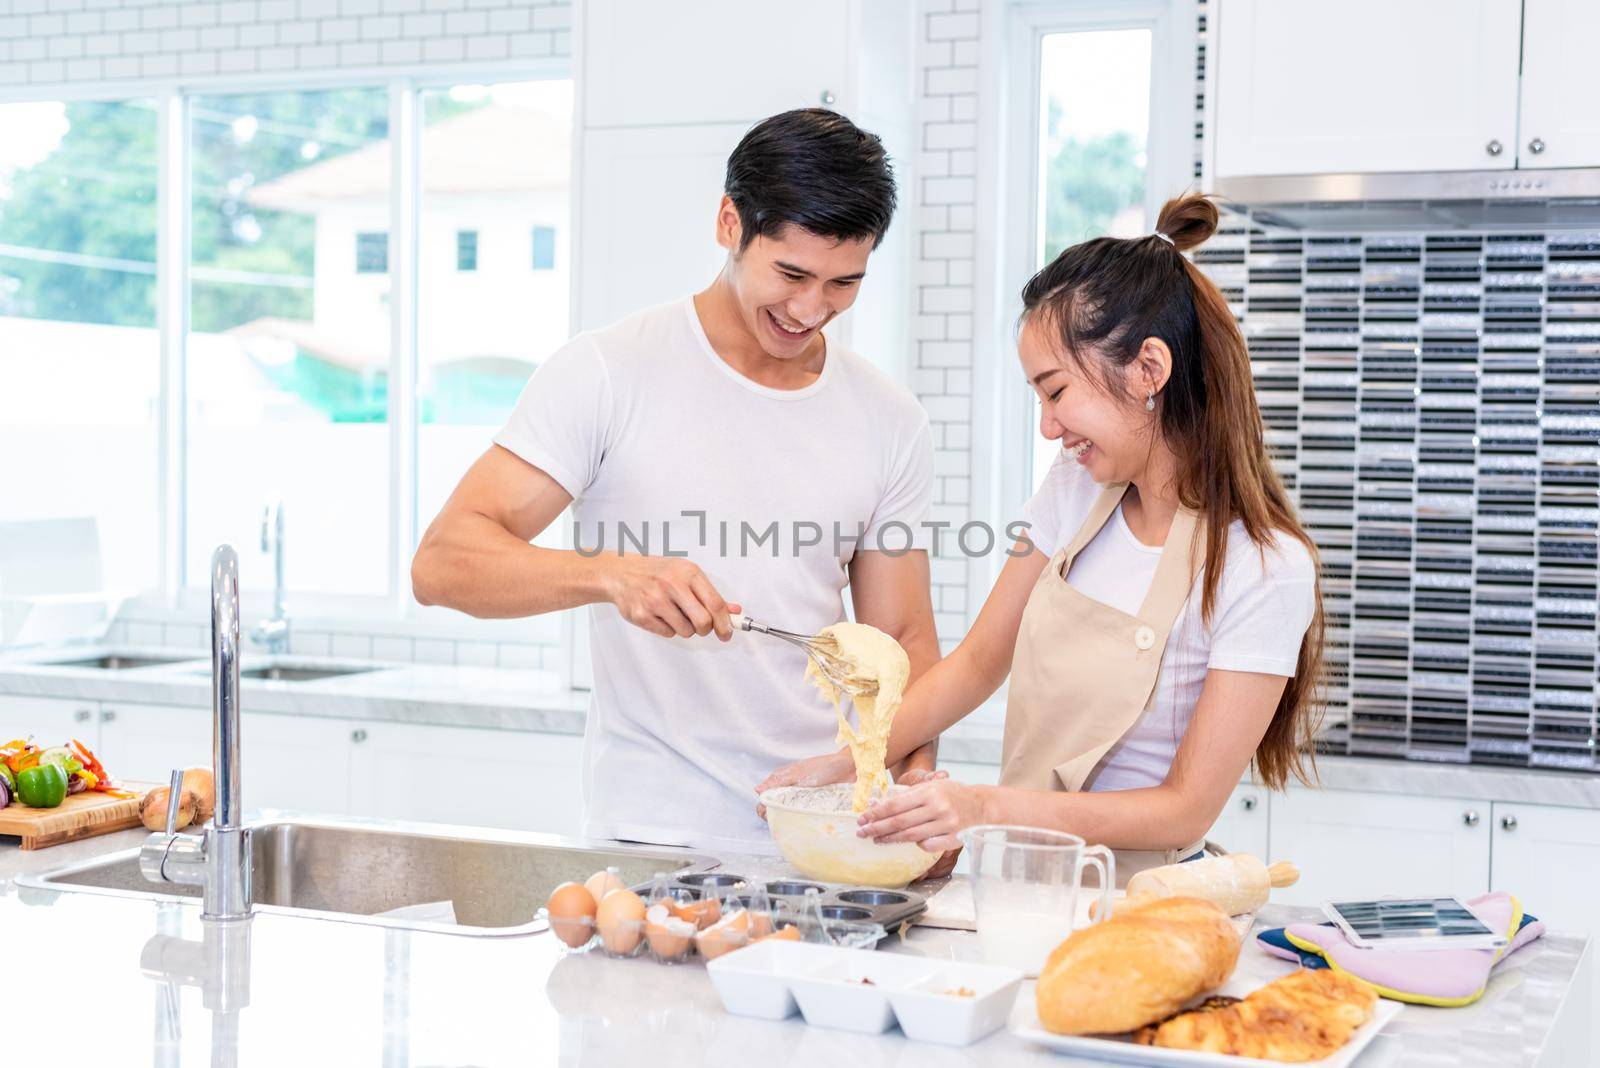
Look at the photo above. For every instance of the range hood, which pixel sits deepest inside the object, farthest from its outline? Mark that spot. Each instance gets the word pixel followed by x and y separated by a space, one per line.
pixel 1544 199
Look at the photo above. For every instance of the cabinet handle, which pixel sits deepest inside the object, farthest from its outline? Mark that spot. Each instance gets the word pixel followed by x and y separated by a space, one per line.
pixel 1470 817
pixel 1247 803
pixel 358 735
pixel 108 715
pixel 1536 146
pixel 81 715
pixel 828 98
pixel 1508 823
pixel 1494 148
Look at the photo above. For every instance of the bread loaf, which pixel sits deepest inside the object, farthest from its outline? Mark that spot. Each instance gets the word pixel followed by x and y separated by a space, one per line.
pixel 1140 966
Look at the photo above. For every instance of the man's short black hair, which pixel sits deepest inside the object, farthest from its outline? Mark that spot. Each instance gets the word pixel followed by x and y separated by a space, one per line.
pixel 813 168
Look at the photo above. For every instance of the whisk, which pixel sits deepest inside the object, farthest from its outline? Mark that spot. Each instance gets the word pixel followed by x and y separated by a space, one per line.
pixel 822 652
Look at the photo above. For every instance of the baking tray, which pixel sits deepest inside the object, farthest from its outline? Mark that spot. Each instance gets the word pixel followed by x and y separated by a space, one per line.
pixel 856 904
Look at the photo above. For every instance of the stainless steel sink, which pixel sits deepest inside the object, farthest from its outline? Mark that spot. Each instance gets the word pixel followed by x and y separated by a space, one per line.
pixel 118 662
pixel 282 673
pixel 356 872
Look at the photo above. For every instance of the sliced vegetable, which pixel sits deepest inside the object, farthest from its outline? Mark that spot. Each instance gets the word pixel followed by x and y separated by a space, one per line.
pixel 6 777
pixel 42 786
pixel 5 793
pixel 60 754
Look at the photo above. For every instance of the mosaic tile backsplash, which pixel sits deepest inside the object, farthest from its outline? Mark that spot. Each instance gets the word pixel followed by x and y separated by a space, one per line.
pixel 1433 400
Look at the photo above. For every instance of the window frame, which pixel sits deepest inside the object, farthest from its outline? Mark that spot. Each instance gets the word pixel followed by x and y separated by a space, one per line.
pixel 462 243
pixel 369 235
pixel 177 596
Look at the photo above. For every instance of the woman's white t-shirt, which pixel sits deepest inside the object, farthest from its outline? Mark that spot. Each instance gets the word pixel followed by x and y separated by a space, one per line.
pixel 1264 605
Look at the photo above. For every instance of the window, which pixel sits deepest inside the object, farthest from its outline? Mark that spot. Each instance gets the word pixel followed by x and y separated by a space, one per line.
pixel 80 363
pixel 466 250
pixel 372 253
pixel 492 157
pixel 289 349
pixel 544 248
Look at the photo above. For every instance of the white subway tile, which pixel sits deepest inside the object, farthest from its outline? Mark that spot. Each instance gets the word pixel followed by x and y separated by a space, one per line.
pixel 119 21
pixel 158 65
pixel 963 164
pixel 29 48
pixel 276 10
pixel 434 651
pixel 938 135
pixel 485 4
pixel 402 52
pixel 926 382
pixel 362 54
pixel 66 5
pixel 928 327
pixel 380 27
pixel 401 7
pixel 959 327
pixel 219 37
pixel 932 273
pixel 475 654
pixel 316 57
pixel 466 22
pixel 279 58
pixel 395 650
pixel 561 43
pixel 197 14
pixel 948 409
pixel 444 50
pixel 950 622
pixel 197 63
pixel 510 20
pixel 533 44
pixel 488 48
pixel 158 18
pixel 553 17
pixel 85 22
pixel 353 646
pixel 933 164
pixel 444 5
pixel 957 435
pixel 947 190
pixel 185 41
pixel 952 27
pixel 948 463
pixel 236 60
pixel 122 67
pixel 946 246
pixel 13 26
pixel 948 81
pixel 960 272
pixel 144 633
pixel 424 25
pixel 236 12
pixel 961 216
pixel 946 353
pixel 964 53
pixel 360 7
pixel 520 655
pixel 66 47
pixel 336 31
pixel 47 70
pixel 932 216
pixel 319 9
pixel 46 25
pixel 964 107
pixel 310 643
pixel 272 33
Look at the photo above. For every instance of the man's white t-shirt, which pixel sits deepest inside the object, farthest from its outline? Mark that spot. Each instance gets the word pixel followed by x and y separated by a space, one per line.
pixel 642 422
pixel 1263 606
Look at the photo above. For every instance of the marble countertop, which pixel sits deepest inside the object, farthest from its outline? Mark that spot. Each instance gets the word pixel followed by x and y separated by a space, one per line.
pixel 287 989
pixel 509 699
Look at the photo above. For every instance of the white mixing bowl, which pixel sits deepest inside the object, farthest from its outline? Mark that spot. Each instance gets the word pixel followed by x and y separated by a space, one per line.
pixel 816 833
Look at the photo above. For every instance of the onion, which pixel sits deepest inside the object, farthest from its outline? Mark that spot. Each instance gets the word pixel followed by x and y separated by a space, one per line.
pixel 5 794
pixel 77 784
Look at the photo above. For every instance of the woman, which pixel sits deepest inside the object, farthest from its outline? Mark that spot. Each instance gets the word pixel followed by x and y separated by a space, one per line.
pixel 1165 629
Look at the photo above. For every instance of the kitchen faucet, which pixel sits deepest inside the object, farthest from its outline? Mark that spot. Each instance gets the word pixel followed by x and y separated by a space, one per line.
pixel 218 858
pixel 273 632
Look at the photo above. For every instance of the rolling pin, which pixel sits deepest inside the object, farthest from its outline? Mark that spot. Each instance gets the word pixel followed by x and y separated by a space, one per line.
pixel 1235 883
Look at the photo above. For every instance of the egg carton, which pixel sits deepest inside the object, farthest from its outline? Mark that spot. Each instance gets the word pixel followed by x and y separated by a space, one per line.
pixel 890 909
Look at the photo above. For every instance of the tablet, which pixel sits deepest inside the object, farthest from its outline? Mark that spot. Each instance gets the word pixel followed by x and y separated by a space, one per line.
pixel 1412 923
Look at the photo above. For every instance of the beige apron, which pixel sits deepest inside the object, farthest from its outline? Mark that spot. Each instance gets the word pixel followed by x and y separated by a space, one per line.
pixel 1084 672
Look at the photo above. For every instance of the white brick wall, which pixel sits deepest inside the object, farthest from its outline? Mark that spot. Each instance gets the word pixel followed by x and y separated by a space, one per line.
pixel 941 375
pixel 47 43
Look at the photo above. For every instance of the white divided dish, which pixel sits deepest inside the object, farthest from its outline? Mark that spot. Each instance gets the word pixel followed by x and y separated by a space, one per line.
pixel 1123 1050
pixel 825 983
pixel 754 981
pixel 934 1010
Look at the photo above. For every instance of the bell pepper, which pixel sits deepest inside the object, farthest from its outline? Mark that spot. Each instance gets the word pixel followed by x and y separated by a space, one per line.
pixel 42 786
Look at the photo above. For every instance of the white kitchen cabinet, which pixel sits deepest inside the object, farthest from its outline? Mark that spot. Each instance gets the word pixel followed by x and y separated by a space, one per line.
pixel 464 775
pixel 1560 122
pixel 976 774
pixel 1241 826
pixel 1546 855
pixel 145 743
pixel 733 61
pixel 1353 844
pixel 300 763
pixel 49 720
pixel 1374 85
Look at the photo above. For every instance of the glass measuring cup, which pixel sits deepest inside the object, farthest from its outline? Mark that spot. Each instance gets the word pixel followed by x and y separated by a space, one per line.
pixel 1025 883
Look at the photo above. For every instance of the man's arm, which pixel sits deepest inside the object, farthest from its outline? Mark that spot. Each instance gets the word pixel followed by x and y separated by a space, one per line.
pixel 475 558
pixel 890 592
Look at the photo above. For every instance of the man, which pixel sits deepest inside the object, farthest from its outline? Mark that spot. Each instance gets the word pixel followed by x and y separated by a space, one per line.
pixel 719 452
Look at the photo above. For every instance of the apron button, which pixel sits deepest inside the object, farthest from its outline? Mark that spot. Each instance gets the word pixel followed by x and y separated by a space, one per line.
pixel 1144 638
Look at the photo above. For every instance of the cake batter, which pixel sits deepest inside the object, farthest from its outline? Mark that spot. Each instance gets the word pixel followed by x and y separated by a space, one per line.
pixel 872 657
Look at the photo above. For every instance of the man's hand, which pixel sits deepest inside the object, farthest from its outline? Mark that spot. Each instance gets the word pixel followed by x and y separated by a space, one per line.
pixel 812 771
pixel 667 596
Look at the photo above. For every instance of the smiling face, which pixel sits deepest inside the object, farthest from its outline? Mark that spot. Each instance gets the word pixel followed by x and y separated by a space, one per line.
pixel 1112 436
pixel 788 287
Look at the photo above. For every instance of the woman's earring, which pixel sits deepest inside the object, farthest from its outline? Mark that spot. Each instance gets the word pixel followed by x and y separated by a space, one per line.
pixel 1150 403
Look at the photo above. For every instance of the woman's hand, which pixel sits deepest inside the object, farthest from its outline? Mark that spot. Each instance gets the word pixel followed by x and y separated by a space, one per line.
pixel 930 814
pixel 947 863
pixel 812 771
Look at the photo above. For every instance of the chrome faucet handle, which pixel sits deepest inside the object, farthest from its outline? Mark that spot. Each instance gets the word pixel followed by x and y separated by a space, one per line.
pixel 174 796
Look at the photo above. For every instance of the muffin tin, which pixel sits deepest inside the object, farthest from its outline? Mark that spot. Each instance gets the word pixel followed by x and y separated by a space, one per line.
pixel 890 909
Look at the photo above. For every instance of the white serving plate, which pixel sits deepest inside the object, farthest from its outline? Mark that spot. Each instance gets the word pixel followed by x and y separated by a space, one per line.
pixel 833 995
pixel 927 1014
pixel 1126 1051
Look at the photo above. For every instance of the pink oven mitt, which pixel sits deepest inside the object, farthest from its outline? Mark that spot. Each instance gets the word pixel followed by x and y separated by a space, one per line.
pixel 1442 977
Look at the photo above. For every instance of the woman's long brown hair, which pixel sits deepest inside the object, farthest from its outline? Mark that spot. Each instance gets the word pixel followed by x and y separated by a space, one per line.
pixel 1104 298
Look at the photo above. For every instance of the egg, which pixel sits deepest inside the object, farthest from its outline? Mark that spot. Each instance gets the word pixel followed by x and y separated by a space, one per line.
pixel 729 933
pixel 788 933
pixel 620 919
pixel 669 936
pixel 702 913
pixel 602 883
pixel 572 910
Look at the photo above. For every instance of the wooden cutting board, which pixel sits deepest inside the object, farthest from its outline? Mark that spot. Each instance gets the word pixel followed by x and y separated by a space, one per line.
pixel 79 816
